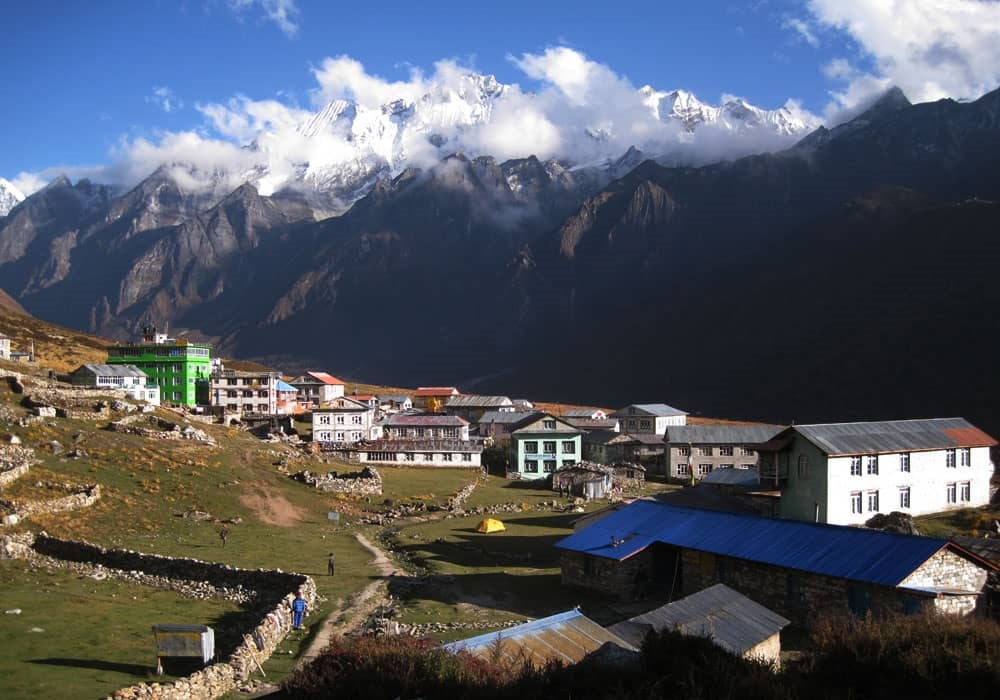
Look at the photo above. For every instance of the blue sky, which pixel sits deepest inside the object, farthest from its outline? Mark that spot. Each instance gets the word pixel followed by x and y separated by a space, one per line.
pixel 82 82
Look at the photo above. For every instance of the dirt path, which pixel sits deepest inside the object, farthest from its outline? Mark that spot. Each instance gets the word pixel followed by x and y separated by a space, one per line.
pixel 347 619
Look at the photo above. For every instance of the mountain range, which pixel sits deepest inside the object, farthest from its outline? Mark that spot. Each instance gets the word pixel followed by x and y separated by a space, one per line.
pixel 848 276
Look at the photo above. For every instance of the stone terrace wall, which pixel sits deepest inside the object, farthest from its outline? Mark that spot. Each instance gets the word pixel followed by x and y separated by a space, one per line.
pixel 79 497
pixel 14 463
pixel 367 482
pixel 269 591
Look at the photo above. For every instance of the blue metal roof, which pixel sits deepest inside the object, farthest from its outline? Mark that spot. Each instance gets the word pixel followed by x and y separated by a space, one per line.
pixel 283 386
pixel 844 552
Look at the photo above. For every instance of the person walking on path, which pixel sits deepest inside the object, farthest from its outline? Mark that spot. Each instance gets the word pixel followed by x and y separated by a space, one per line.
pixel 330 565
pixel 298 609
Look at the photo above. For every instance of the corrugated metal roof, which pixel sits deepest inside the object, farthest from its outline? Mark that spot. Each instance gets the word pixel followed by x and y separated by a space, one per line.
pixel 893 436
pixel 325 378
pixel 721 434
pixel 566 637
pixel 856 554
pixel 394 398
pixel 284 386
pixel 112 370
pixel 733 476
pixel 437 420
pixel 651 409
pixel 473 401
pixel 436 391
pixel 592 423
pixel 506 417
pixel 728 618
pixel 581 412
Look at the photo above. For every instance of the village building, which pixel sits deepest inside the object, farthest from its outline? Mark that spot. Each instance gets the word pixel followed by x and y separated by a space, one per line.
pixel 440 453
pixel 590 480
pixel 317 388
pixel 700 449
pixel 496 426
pixel 239 393
pixel 344 420
pixel 647 418
pixel 394 403
pixel 424 426
pixel 4 347
pixel 127 378
pixel 845 473
pixel 611 425
pixel 472 407
pixel 584 413
pixel 522 405
pixel 433 398
pixel 564 638
pixel 177 366
pixel 540 443
pixel 609 447
pixel 798 569
pixel 728 618
pixel 286 399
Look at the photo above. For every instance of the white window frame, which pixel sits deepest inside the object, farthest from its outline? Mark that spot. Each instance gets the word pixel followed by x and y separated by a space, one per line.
pixel 904 461
pixel 856 502
pixel 904 497
pixel 856 465
pixel 872 499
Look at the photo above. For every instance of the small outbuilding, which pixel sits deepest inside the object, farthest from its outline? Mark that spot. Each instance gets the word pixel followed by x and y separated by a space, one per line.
pixel 730 619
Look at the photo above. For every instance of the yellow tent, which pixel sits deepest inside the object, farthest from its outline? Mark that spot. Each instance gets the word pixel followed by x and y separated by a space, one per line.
pixel 490 525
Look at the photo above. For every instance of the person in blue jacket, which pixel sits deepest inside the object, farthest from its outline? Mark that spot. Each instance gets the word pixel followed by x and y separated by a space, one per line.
pixel 298 609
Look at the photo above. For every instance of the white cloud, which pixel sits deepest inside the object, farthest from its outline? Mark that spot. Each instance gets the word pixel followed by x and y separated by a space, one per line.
pixel 803 29
pixel 165 99
pixel 929 48
pixel 30 183
pixel 577 109
pixel 284 13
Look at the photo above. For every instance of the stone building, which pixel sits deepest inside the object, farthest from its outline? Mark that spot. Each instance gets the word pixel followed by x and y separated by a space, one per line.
pixel 701 449
pixel 239 393
pixel 797 569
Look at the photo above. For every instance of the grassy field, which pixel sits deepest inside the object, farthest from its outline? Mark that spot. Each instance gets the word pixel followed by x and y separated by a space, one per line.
pixel 80 638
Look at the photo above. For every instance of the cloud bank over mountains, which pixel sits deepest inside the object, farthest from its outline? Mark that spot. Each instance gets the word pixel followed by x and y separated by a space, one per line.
pixel 571 107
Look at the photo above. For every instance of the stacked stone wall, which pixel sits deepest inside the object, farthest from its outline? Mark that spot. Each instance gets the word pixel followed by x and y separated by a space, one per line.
pixel 79 497
pixel 15 462
pixel 271 592
pixel 165 430
pixel 367 482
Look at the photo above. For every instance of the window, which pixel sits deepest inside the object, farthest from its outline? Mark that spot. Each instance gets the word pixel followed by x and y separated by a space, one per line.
pixel 803 467
pixel 356 435
pixel 856 502
pixel 262 408
pixel 428 456
pixel 356 420
pixel 965 457
pixel 231 407
pixel 725 466
pixel 645 424
pixel 746 452
pixel 855 466
pixel 904 462
pixel 447 456
pixel 409 456
pixel 705 451
pixel 340 420
pixel 340 436
pixel 549 447
pixel 262 393
pixel 466 457
pixel 950 493
pixel 873 501
pixel 568 447
pixel 872 464
pixel 726 451
pixel 531 447
pixel 549 466
pixel 682 468
pixel 949 458
pixel 232 393
pixel 746 466
pixel 549 424
pixel 247 394
pixel 904 497
pixel 704 469
pixel 568 462
pixel 965 492
pixel 684 451
pixel 531 466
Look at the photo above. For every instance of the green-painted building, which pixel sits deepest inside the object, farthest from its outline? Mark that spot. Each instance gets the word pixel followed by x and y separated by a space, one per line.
pixel 540 443
pixel 177 366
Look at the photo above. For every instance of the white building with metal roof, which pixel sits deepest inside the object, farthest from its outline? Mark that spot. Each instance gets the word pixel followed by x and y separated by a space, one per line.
pixel 845 473
pixel 649 418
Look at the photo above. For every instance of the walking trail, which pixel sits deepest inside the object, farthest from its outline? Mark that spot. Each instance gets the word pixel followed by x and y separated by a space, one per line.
pixel 359 607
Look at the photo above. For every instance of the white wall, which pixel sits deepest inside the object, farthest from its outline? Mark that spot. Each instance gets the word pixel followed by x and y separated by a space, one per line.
pixel 927 479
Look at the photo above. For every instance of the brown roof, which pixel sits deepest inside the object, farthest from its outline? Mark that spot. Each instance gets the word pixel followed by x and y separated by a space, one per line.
pixel 325 378
pixel 970 437
pixel 436 391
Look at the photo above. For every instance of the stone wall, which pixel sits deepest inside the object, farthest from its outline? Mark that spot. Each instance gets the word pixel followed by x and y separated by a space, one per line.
pixel 79 497
pixel 946 569
pixel 367 482
pixel 270 592
pixel 14 463
pixel 597 573
pixel 164 430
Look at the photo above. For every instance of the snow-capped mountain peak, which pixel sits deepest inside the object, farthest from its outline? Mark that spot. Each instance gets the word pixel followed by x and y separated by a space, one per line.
pixel 10 196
